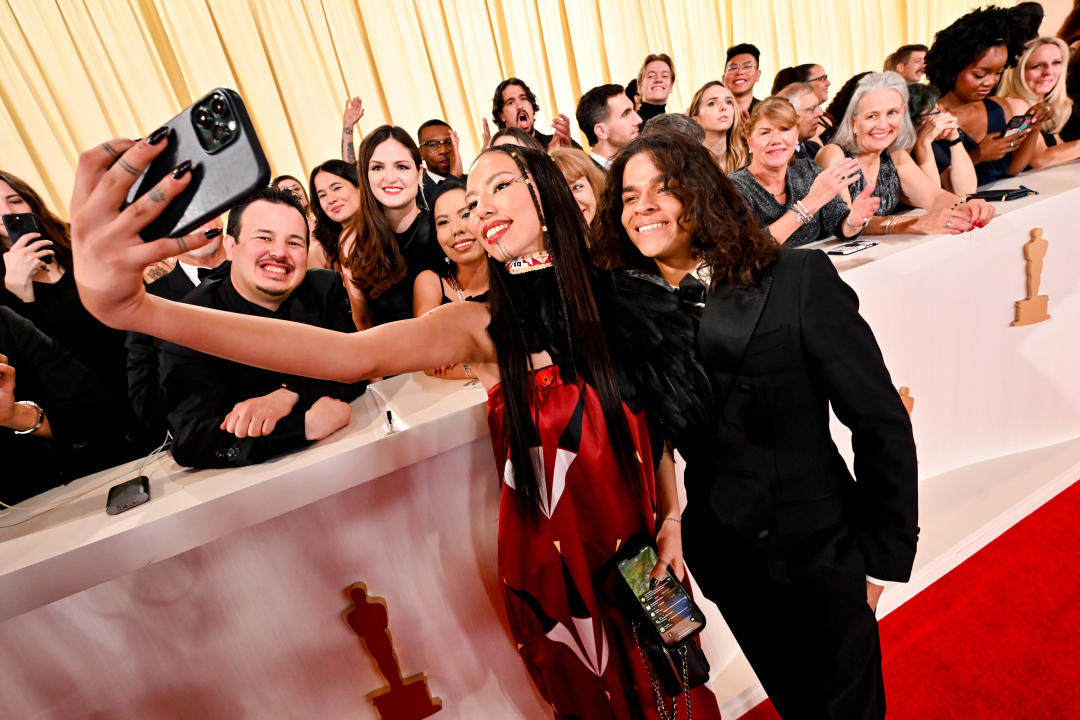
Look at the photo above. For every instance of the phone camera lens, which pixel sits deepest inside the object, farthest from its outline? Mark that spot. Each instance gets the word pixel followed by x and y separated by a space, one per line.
pixel 220 133
pixel 202 118
pixel 218 106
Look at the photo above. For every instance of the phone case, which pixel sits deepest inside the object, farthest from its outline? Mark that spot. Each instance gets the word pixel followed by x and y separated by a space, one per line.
pixel 19 224
pixel 220 176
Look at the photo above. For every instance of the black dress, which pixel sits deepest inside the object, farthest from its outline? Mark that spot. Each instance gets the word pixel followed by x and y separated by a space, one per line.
pixel 420 251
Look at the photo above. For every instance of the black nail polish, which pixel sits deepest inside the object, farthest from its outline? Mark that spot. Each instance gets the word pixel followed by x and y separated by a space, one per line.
pixel 212 233
pixel 157 136
pixel 652 583
pixel 181 170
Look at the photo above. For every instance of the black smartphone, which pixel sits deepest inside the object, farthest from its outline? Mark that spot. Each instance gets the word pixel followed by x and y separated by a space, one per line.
pixel 127 495
pixel 227 163
pixel 1017 124
pixel 18 224
pixel 851 247
pixel 667 604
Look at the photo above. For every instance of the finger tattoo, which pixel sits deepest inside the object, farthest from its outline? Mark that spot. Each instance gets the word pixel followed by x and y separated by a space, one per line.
pixel 157 195
pixel 128 167
pixel 182 244
pixel 113 152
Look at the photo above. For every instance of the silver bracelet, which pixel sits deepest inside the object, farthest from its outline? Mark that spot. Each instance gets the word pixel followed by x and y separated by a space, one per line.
pixel 888 224
pixel 467 369
pixel 672 519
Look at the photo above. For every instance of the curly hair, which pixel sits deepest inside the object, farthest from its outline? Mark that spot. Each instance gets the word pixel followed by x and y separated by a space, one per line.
pixel 726 235
pixel 374 261
pixel 55 229
pixel 963 42
pixel 497 99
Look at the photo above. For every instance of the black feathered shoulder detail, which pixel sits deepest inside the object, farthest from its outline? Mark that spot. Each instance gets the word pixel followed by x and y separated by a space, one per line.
pixel 652 330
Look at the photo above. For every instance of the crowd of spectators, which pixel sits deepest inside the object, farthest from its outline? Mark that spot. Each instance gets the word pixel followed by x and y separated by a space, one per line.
pixel 382 234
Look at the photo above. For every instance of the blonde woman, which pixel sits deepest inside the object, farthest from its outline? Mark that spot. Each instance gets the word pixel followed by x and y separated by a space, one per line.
pixel 1039 77
pixel 715 110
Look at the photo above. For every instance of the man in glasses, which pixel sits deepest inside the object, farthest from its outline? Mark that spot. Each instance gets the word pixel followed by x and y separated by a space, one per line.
pixel 438 150
pixel 741 73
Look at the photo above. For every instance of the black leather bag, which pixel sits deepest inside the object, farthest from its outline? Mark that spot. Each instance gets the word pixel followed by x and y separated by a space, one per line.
pixel 675 668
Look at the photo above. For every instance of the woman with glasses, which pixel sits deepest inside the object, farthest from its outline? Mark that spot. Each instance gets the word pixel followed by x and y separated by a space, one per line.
pixel 567 419
pixel 876 130
pixel 938 133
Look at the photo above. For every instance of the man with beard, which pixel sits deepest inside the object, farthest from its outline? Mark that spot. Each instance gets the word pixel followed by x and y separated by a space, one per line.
pixel 224 414
pixel 609 122
pixel 144 381
pixel 514 105
pixel 438 149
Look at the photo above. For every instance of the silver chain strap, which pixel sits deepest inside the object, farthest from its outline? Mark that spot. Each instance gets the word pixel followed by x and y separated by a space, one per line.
pixel 657 695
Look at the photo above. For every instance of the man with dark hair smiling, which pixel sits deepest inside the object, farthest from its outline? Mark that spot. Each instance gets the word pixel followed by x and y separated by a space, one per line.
pixel 741 73
pixel 609 122
pixel 438 149
pixel 514 105
pixel 909 61
pixel 224 414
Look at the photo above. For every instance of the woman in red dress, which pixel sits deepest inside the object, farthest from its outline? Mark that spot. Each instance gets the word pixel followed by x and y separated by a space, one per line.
pixel 575 459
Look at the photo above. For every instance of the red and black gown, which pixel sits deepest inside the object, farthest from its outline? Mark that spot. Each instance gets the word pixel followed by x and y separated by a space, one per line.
pixel 577 647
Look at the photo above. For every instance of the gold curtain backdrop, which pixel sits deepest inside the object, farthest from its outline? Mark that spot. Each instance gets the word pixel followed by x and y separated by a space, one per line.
pixel 76 72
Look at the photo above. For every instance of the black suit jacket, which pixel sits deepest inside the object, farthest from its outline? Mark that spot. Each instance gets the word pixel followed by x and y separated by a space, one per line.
pixel 143 377
pixel 778 355
pixel 200 390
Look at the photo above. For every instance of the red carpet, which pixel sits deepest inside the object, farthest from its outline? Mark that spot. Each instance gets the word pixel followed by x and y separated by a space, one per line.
pixel 999 636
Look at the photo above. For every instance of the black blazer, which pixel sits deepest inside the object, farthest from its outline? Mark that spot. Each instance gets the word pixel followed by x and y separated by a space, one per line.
pixel 200 390
pixel 778 355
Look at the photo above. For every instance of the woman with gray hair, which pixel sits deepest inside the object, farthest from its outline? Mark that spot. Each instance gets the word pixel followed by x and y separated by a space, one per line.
pixel 876 130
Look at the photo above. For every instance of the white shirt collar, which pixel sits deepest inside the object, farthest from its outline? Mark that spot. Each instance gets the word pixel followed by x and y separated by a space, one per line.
pixel 604 162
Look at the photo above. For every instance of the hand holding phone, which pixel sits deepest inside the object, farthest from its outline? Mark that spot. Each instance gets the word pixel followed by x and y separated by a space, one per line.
pixel 109 253
pixel 669 608
pixel 1017 124
pixel 216 138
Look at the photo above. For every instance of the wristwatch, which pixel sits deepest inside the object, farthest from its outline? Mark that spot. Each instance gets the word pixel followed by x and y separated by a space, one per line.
pixel 40 417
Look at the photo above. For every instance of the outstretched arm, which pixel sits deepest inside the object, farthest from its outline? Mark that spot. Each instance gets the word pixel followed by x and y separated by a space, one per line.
pixel 110 256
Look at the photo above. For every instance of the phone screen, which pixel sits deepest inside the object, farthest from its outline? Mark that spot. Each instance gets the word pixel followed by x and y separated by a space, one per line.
pixel 667 605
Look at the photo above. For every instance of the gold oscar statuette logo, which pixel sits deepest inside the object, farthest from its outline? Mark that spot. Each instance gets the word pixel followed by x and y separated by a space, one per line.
pixel 1032 309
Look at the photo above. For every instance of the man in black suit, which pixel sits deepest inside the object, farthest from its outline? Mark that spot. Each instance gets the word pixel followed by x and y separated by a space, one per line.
pixel 144 380
pixel 224 414
pixel 438 149
pixel 791 547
